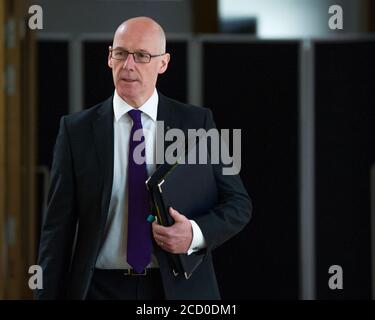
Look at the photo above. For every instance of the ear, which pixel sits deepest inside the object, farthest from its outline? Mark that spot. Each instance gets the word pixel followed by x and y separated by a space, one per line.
pixel 109 60
pixel 164 63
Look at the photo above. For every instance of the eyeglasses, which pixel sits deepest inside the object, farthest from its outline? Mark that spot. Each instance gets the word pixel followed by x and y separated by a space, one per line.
pixel 139 57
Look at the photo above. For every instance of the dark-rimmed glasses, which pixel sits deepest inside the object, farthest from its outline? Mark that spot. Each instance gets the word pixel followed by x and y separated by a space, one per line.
pixel 139 56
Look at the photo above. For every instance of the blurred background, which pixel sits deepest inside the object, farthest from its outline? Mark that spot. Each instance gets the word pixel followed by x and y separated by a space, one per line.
pixel 302 93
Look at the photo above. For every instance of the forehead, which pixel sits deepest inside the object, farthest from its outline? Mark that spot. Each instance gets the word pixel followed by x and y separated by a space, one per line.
pixel 137 38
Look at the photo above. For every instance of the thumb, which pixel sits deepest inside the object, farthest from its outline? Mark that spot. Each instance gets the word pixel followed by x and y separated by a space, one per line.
pixel 175 214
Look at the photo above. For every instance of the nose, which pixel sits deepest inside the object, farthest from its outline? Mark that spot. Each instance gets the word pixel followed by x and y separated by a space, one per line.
pixel 129 62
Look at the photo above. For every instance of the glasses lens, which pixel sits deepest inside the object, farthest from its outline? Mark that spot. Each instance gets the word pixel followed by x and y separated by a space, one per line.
pixel 119 54
pixel 142 57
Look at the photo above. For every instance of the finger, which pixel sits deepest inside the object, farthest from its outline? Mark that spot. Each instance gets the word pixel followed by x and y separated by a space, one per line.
pixel 175 214
pixel 160 229
pixel 172 211
pixel 160 237
pixel 163 244
pixel 165 248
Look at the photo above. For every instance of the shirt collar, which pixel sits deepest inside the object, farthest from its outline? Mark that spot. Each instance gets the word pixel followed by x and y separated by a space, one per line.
pixel 150 107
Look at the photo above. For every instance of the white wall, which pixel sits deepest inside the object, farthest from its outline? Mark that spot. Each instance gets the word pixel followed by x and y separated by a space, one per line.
pixel 295 18
pixel 276 18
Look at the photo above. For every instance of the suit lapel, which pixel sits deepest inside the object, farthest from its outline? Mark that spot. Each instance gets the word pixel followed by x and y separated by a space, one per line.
pixel 104 144
pixel 166 113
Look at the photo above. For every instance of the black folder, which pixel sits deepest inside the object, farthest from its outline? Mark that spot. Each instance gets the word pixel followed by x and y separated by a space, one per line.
pixel 188 188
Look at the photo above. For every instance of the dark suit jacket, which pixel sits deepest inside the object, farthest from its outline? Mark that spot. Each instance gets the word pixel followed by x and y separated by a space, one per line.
pixel 79 196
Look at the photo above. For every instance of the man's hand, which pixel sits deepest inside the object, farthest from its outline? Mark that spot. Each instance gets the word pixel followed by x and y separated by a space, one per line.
pixel 176 238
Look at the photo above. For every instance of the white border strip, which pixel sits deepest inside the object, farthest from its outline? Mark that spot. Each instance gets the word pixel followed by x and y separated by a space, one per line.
pixel 195 74
pixel 307 171
pixel 75 76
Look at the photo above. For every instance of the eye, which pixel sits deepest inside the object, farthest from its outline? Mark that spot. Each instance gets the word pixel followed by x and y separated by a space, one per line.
pixel 119 54
pixel 142 55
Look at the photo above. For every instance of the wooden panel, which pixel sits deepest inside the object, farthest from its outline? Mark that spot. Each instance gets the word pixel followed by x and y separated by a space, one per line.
pixel 28 107
pixel 18 152
pixel 33 148
pixel 205 14
pixel 2 157
pixel 371 15
pixel 14 184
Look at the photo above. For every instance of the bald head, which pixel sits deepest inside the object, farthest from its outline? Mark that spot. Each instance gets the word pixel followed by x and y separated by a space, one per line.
pixel 143 26
pixel 134 79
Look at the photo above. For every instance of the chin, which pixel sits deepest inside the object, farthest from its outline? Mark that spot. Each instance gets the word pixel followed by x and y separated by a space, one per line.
pixel 129 97
pixel 126 92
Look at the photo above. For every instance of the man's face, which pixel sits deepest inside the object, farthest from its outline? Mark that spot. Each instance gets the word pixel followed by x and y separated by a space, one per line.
pixel 135 82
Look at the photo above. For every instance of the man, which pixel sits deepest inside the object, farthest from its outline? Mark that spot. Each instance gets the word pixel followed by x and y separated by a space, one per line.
pixel 96 242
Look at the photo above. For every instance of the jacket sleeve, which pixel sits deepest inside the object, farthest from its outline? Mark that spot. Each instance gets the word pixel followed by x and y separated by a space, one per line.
pixel 234 208
pixel 59 225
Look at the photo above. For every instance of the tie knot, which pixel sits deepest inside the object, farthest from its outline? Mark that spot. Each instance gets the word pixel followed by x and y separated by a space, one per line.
pixel 135 114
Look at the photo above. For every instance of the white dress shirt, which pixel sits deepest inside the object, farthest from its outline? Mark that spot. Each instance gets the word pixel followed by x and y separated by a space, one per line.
pixel 112 254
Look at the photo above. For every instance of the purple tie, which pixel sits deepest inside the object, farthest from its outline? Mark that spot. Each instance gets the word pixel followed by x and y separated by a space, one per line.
pixel 139 229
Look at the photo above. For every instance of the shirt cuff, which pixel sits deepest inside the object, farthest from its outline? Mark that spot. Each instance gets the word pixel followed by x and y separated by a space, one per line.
pixel 198 241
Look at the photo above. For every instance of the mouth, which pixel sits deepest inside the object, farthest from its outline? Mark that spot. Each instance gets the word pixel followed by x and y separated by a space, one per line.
pixel 129 80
